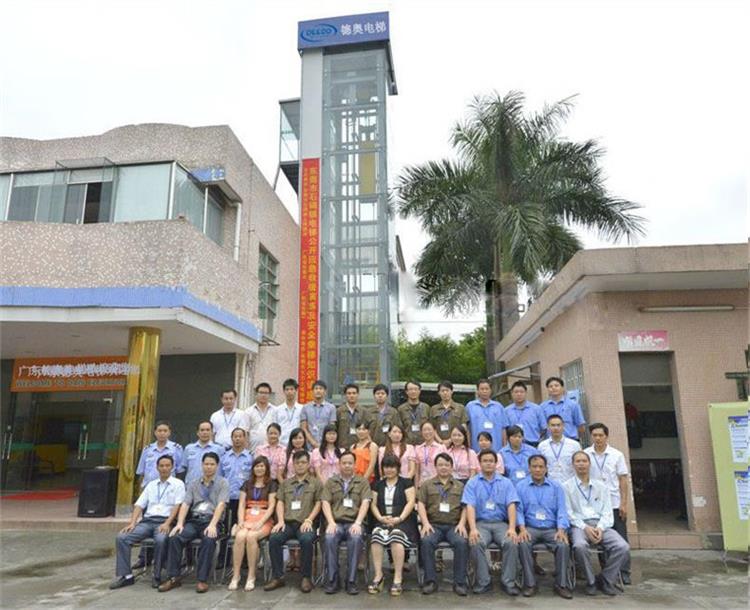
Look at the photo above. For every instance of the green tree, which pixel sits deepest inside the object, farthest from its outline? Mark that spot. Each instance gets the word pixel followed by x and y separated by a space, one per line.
pixel 504 211
pixel 432 359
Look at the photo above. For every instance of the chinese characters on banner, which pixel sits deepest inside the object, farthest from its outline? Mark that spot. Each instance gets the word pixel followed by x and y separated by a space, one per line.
pixel 643 341
pixel 309 274
pixel 90 373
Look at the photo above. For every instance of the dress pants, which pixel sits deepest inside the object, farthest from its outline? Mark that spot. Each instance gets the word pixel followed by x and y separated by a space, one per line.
pixel 276 544
pixel 560 549
pixel 460 545
pixel 494 531
pixel 354 546
pixel 191 531
pixel 616 551
pixel 146 528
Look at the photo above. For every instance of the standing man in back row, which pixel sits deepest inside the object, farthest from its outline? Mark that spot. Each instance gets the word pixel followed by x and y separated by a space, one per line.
pixel 316 415
pixel 288 413
pixel 487 415
pixel 226 419
pixel 447 414
pixel 560 404
pixel 413 413
pixel 383 415
pixel 350 415
pixel 262 414
pixel 526 415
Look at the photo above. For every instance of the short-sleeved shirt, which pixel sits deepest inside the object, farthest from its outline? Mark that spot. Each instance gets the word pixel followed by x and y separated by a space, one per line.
pixel 608 467
pixel 347 422
pixel 288 419
pixel 444 419
pixel 276 456
pixel 203 499
pixel 569 410
pixel 317 416
pixel 259 496
pixel 327 466
pixel 412 418
pixel 517 462
pixel 150 456
pixel 490 498
pixel 426 455
pixel 306 492
pixel 559 457
pixel 464 461
pixel 486 418
pixel 159 498
pixel 224 423
pixel 530 418
pixel 193 458
pixel 345 497
pixel 442 501
pixel 236 468
pixel 259 422
pixel 381 422
pixel 542 505
pixel 405 460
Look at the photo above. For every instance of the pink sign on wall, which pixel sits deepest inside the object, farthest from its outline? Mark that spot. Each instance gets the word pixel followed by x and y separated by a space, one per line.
pixel 643 341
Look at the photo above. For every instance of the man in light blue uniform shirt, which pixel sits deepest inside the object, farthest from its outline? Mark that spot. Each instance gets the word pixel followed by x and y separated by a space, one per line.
pixel 194 452
pixel 491 506
pixel 527 415
pixel 543 519
pixel 486 415
pixel 516 455
pixel 559 404
pixel 316 415
pixel 159 504
pixel 590 511
pixel 235 467
pixel 162 446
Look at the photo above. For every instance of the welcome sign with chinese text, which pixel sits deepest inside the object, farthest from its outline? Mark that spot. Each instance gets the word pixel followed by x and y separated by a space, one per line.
pixel 84 374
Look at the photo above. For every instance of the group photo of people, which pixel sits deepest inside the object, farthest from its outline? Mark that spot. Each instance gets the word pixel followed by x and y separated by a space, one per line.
pixel 272 494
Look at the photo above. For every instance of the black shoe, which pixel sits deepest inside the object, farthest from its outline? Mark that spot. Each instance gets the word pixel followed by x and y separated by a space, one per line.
pixel 460 590
pixel 429 588
pixel 591 590
pixel 563 592
pixel 123 581
pixel 530 591
pixel 352 589
pixel 138 565
pixel 483 590
pixel 626 578
pixel 606 588
pixel 513 591
pixel 155 584
pixel 332 590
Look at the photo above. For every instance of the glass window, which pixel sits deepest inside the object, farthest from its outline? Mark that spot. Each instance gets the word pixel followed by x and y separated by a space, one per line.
pixel 268 301
pixel 189 199
pixel 28 190
pixel 142 192
pixel 4 186
pixel 214 218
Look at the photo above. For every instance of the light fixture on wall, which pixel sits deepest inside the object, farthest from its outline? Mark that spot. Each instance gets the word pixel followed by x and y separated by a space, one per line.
pixel 685 308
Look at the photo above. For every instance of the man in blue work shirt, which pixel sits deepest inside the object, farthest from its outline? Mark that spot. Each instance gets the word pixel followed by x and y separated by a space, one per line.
pixel 490 502
pixel 194 452
pixel 560 404
pixel 543 519
pixel 516 455
pixel 235 467
pixel 158 503
pixel 590 512
pixel 527 415
pixel 162 446
pixel 316 415
pixel 486 415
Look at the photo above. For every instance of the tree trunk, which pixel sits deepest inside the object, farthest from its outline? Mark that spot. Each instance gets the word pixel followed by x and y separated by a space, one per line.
pixel 490 334
pixel 501 307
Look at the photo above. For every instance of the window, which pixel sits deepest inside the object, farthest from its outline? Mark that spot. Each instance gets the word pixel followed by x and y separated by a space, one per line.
pixel 189 199
pixel 268 301
pixel 572 375
pixel 142 192
pixel 29 190
pixel 4 191
pixel 214 217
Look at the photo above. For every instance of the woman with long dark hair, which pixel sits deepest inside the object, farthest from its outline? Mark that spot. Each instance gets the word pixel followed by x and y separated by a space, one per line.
pixel 325 459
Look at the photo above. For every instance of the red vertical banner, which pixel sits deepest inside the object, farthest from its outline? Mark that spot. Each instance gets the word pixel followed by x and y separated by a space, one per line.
pixel 309 277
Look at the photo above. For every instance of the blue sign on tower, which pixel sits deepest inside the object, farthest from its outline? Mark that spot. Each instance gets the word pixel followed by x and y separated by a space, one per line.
pixel 352 29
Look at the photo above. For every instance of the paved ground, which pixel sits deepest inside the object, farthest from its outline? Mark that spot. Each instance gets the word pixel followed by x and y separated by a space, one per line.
pixel 45 569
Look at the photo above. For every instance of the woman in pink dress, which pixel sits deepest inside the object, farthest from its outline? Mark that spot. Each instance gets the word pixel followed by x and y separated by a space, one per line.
pixel 325 459
pixel 397 446
pixel 274 452
pixel 426 453
pixel 297 442
pixel 465 462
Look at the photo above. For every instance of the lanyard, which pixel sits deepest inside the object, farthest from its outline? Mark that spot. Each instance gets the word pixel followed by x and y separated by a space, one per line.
pixel 381 414
pixel 206 491
pixel 231 418
pixel 345 484
pixel 446 412
pixel 600 465
pixel 298 489
pixel 587 498
pixel 160 494
pixel 538 491
pixel 257 491
pixel 442 490
pixel 331 457
pixel 490 487
pixel 519 463
pixel 416 413
pixel 353 418
pixel 559 452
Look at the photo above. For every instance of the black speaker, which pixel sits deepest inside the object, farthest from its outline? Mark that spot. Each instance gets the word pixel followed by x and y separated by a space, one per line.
pixel 98 494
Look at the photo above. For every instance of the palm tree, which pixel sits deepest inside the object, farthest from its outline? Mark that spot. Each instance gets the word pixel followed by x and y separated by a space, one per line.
pixel 505 209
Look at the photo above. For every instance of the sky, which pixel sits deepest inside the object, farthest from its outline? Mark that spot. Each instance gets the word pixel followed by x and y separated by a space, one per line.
pixel 662 85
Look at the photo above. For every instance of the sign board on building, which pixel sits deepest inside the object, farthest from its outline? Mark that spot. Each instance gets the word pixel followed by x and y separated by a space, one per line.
pixel 74 374
pixel 333 31
pixel 309 274
pixel 643 341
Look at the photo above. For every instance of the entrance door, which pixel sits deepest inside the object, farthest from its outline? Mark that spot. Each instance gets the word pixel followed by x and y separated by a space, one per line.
pixel 56 435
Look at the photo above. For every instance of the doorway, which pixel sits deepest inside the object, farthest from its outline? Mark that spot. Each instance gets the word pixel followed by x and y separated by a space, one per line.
pixel 653 440
pixel 51 437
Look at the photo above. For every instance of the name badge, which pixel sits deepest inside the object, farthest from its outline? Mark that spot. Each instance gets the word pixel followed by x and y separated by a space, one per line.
pixel 315 428
pixel 415 427
pixel 445 507
pixel 352 430
pixel 489 505
pixel 203 507
pixel 389 509
pixel 540 515
pixel 444 427
pixel 160 508
pixel 520 474
pixel 386 428
pixel 255 511
pixel 296 505
pixel 488 425
pixel 348 503
pixel 589 512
